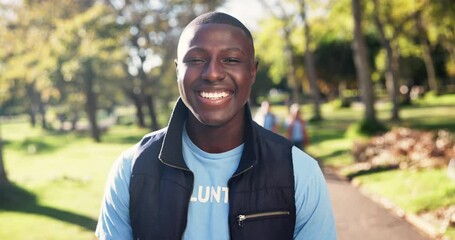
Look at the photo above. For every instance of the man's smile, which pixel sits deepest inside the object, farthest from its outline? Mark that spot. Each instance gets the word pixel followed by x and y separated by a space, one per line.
pixel 214 95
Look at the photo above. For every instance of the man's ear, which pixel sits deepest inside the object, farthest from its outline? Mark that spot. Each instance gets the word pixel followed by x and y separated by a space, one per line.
pixel 254 70
pixel 176 67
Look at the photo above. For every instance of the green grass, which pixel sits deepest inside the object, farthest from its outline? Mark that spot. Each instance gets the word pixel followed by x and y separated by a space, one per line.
pixel 58 181
pixel 417 191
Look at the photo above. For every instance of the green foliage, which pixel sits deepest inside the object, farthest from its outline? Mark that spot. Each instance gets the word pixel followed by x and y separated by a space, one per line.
pixel 337 25
pixel 270 49
pixel 46 63
pixel 334 62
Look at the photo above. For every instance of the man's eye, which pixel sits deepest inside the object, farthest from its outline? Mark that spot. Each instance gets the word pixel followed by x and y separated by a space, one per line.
pixel 194 60
pixel 231 60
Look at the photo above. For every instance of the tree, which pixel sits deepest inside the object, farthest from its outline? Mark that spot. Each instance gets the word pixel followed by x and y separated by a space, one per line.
pixel 286 26
pixel 292 23
pixel 27 65
pixel 390 25
pixel 392 62
pixel 437 20
pixel 361 62
pixel 426 53
pixel 403 27
pixel 6 53
pixel 3 176
pixel 309 63
pixel 332 37
pixel 94 53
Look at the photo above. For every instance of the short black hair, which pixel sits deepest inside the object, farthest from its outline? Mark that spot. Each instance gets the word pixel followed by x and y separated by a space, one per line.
pixel 220 18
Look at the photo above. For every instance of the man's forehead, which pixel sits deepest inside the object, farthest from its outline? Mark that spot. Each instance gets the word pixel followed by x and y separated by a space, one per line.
pixel 212 19
pixel 195 31
pixel 220 18
pixel 193 34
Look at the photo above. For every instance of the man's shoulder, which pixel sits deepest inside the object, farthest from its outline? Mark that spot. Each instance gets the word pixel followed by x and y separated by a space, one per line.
pixel 152 137
pixel 148 147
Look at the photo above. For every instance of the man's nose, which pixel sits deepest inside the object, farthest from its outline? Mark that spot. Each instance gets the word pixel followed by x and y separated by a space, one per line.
pixel 213 71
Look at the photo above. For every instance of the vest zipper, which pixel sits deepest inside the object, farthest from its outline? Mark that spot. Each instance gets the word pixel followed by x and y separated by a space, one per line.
pixel 241 172
pixel 175 166
pixel 243 217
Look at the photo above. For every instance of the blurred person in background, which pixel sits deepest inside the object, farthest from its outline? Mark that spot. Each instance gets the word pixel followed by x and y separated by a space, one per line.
pixel 266 118
pixel 296 127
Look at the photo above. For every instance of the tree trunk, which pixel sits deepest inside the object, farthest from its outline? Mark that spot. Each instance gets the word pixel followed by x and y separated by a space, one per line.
pixel 91 104
pixel 426 55
pixel 3 177
pixel 151 107
pixel 130 91
pixel 392 65
pixel 36 105
pixel 392 80
pixel 41 110
pixel 138 105
pixel 74 118
pixel 32 115
pixel 429 66
pixel 146 84
pixel 291 67
pixel 32 111
pixel 361 63
pixel 309 65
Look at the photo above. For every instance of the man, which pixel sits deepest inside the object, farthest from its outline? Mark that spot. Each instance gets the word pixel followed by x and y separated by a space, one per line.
pixel 213 173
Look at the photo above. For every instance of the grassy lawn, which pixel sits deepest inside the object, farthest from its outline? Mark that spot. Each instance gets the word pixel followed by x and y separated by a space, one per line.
pixel 413 193
pixel 58 181
pixel 59 178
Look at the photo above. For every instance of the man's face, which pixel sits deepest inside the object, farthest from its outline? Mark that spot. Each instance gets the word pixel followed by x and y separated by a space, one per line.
pixel 215 71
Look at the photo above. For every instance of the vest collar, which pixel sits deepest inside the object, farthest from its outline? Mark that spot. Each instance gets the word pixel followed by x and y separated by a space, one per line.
pixel 171 149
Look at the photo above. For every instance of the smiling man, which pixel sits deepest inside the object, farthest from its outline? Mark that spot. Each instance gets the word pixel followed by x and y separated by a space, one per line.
pixel 213 173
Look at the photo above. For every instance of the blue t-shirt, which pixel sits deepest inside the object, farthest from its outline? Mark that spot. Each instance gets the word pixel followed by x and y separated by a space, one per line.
pixel 209 207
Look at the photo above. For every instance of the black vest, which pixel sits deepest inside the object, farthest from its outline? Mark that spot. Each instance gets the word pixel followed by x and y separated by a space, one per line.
pixel 261 191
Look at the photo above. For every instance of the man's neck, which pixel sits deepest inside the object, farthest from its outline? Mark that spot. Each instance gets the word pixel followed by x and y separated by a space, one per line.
pixel 215 139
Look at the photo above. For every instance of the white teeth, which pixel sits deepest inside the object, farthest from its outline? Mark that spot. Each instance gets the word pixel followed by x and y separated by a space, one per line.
pixel 214 95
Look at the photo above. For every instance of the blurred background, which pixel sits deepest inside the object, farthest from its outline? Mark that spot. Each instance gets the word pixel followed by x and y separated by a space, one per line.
pixel 82 80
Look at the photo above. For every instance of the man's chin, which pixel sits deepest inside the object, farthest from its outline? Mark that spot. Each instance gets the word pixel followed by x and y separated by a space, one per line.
pixel 212 121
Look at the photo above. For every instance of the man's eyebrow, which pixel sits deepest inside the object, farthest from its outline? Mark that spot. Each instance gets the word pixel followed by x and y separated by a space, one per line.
pixel 229 49
pixel 235 49
pixel 237 52
pixel 195 49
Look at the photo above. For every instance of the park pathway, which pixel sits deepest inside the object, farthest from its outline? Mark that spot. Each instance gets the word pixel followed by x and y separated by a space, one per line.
pixel 359 218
